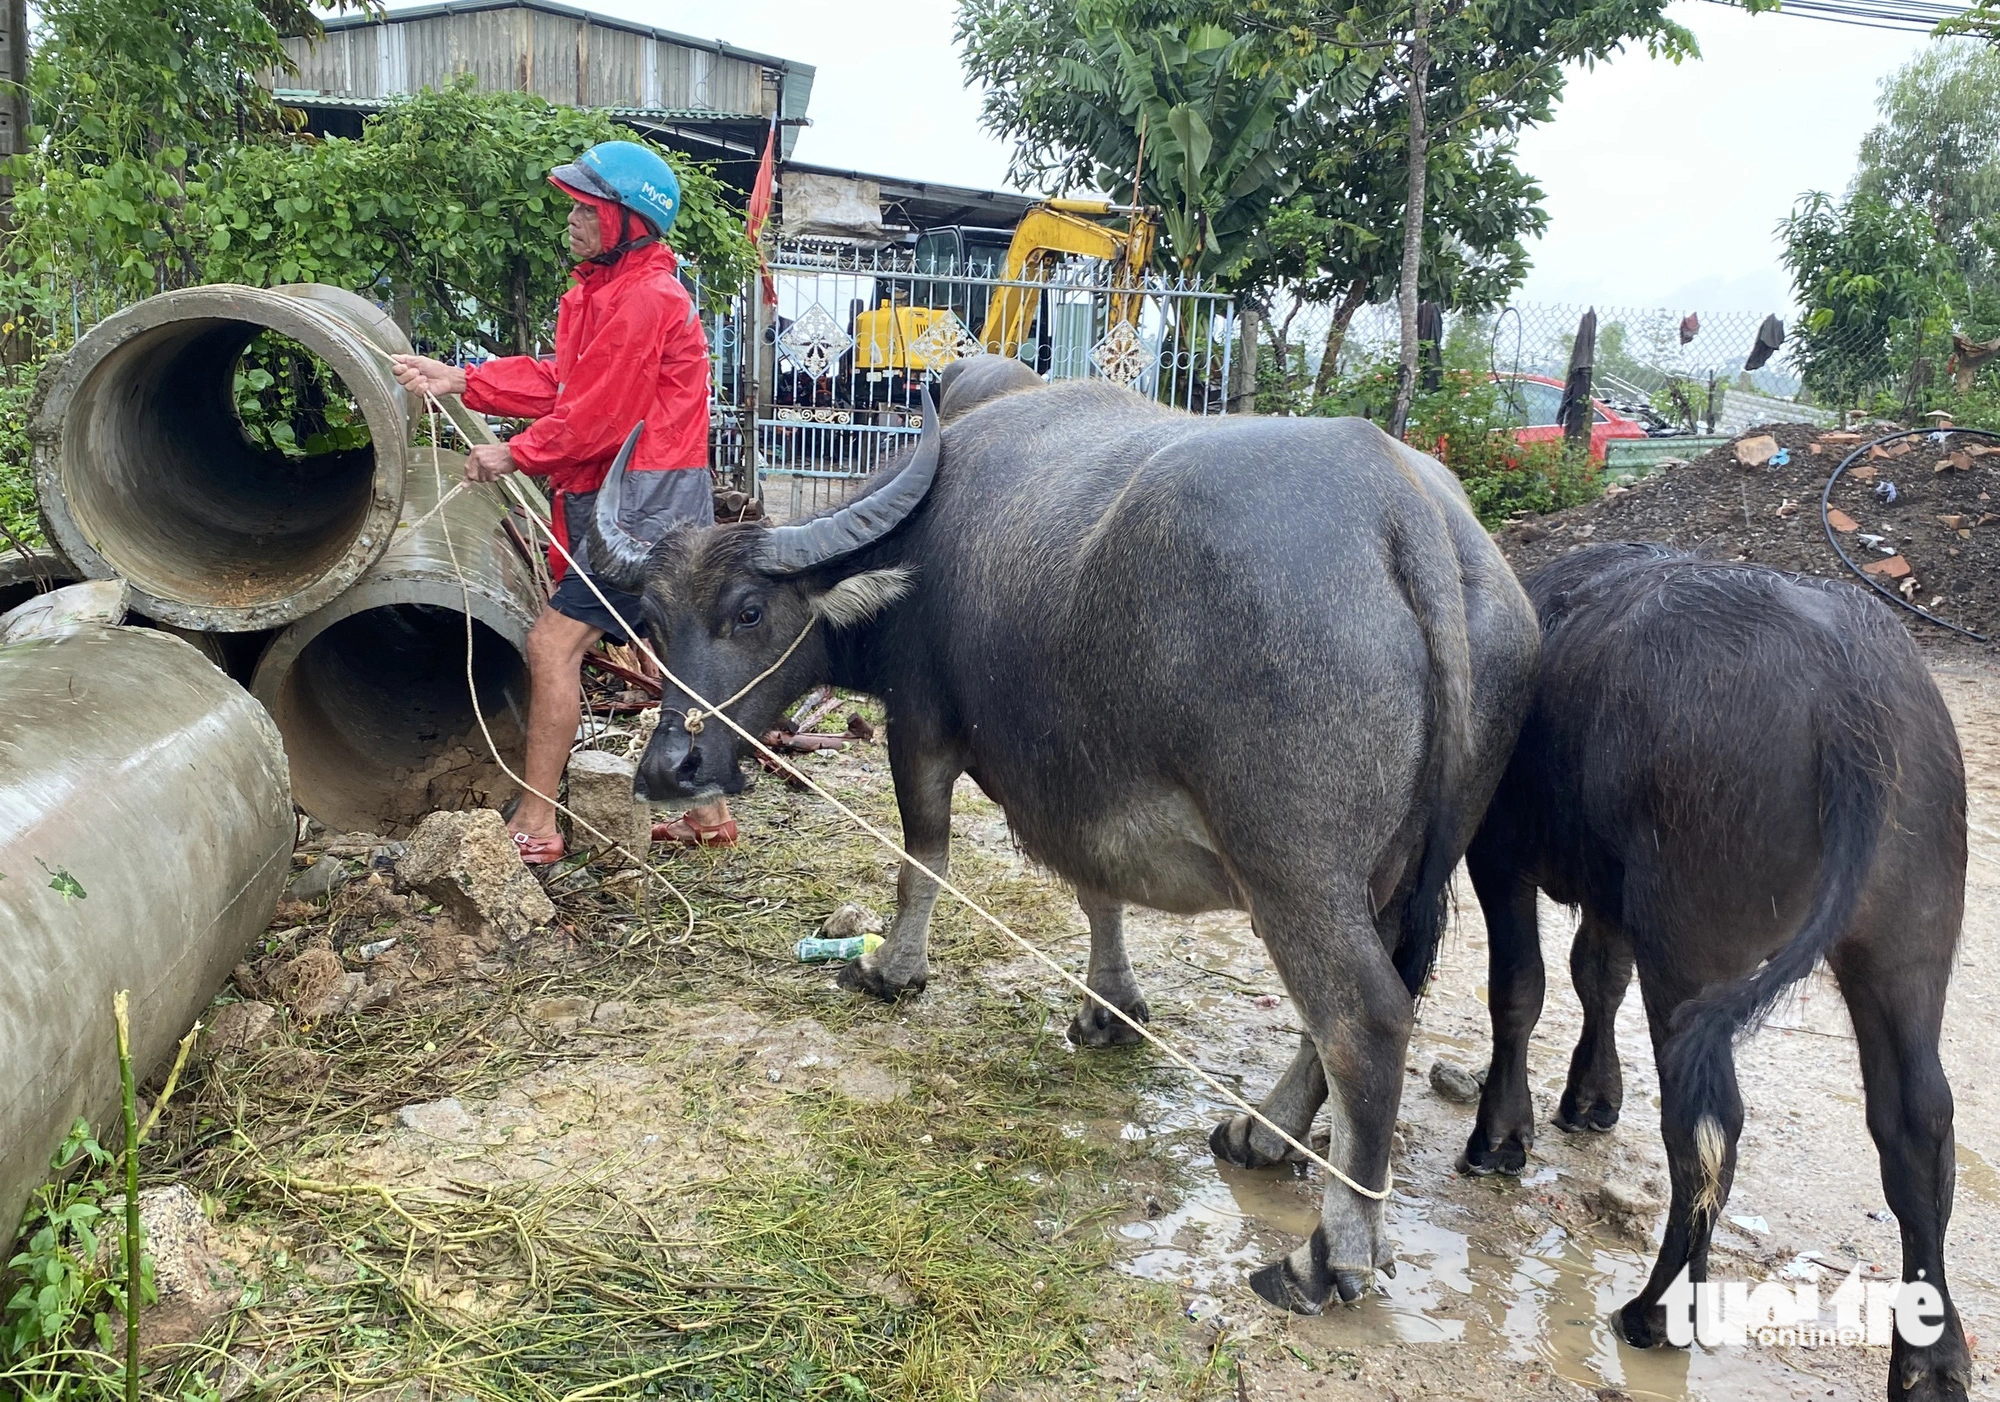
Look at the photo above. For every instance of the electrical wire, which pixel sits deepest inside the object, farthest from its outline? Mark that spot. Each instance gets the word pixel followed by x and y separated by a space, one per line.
pixel 1922 16
pixel 1826 523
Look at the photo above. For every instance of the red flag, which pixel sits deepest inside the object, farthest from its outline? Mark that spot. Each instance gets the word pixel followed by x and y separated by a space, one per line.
pixel 760 193
pixel 759 211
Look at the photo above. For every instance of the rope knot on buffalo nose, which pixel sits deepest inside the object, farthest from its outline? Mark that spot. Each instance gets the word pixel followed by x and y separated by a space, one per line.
pixel 694 717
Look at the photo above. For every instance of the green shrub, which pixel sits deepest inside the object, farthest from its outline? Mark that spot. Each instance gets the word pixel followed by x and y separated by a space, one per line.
pixel 61 1326
pixel 17 477
pixel 1465 425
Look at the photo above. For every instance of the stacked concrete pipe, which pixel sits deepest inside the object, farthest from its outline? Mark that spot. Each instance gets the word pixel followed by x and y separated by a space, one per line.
pixel 24 576
pixel 145 834
pixel 371 691
pixel 324 585
pixel 144 472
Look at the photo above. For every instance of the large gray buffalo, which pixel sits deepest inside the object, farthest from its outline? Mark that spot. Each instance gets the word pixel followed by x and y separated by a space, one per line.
pixel 1271 665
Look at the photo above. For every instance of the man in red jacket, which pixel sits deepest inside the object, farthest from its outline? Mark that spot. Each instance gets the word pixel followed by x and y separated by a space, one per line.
pixel 629 348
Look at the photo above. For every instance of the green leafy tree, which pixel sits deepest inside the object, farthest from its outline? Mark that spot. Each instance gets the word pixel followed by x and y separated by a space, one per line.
pixel 1470 72
pixel 1937 148
pixel 445 201
pixel 133 100
pixel 1075 91
pixel 1332 177
pixel 1877 288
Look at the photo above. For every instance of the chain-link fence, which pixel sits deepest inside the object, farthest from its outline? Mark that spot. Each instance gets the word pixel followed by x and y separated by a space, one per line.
pixel 1644 355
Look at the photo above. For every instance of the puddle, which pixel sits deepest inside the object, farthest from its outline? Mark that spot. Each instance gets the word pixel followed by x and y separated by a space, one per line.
pixel 1977 1177
pixel 1548 1305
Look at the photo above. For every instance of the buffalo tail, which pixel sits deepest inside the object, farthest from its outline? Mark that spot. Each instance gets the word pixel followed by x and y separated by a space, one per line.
pixel 1856 763
pixel 1427 568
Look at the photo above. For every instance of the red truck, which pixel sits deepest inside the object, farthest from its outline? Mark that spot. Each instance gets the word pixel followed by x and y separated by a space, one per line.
pixel 1532 401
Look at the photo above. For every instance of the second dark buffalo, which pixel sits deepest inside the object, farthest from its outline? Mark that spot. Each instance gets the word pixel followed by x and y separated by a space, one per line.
pixel 1733 773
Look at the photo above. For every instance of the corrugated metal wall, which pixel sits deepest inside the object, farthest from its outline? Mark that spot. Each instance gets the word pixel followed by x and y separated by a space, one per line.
pixel 562 58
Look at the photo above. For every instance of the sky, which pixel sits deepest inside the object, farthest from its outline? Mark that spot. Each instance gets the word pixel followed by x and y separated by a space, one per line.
pixel 1663 183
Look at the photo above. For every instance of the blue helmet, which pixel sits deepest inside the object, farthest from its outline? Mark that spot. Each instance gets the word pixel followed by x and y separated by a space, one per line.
pixel 629 174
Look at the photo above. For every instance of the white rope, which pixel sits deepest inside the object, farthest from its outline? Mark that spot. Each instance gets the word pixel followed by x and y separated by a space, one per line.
pixel 716 713
pixel 465 592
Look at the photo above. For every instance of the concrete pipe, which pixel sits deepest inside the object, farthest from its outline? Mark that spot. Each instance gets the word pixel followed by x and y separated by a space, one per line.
pixel 24 576
pixel 21 579
pixel 146 833
pixel 370 692
pixel 145 473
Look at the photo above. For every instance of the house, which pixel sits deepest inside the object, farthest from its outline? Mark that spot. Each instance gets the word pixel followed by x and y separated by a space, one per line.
pixel 705 98
pixel 709 99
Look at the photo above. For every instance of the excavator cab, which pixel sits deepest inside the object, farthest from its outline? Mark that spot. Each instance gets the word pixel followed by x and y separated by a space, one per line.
pixel 994 281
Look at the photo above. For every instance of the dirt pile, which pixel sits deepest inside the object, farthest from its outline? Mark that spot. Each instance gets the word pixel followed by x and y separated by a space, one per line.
pixel 1921 511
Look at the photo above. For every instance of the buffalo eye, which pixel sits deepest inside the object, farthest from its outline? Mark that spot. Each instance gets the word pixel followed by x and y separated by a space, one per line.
pixel 750 616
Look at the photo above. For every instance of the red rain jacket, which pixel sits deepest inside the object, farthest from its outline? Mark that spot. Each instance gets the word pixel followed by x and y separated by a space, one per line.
pixel 629 346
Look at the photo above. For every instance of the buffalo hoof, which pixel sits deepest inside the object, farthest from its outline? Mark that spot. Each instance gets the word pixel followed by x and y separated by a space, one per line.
pixel 1094 1025
pixel 1572 1118
pixel 857 977
pixel 1642 1326
pixel 1230 1142
pixel 1482 1158
pixel 1282 1284
pixel 1940 1373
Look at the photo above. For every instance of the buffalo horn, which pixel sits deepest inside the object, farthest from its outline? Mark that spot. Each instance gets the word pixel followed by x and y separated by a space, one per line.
pixel 616 555
pixel 793 549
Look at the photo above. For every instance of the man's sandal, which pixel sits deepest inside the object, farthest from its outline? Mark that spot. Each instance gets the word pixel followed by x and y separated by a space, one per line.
pixel 540 851
pixel 686 832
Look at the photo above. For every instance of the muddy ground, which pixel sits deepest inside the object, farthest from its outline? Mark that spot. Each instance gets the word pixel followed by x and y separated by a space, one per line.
pixel 654 1155
pixel 1918 510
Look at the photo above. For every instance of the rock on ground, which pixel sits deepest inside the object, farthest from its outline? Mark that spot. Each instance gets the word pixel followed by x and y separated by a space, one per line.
pixel 318 881
pixel 600 795
pixel 850 920
pixel 317 985
pixel 466 862
pixel 195 1287
pixel 236 1028
pixel 1454 1083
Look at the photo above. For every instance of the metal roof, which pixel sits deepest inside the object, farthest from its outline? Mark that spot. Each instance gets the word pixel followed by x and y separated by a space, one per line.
pixel 311 97
pixel 365 18
pixel 928 203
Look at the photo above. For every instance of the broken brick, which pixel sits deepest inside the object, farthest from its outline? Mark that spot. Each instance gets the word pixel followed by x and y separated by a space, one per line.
pixel 1756 451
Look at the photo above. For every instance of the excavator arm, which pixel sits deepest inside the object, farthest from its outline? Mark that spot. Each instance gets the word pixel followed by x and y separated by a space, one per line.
pixel 1046 234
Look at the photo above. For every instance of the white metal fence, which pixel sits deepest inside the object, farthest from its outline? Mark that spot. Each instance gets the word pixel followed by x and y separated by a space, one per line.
pixel 837 369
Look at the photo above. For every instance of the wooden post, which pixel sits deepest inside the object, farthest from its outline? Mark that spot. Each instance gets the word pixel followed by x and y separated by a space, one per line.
pixel 14 97
pixel 1243 370
pixel 1576 410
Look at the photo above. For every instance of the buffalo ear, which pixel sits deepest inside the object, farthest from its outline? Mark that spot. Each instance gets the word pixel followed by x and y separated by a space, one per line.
pixel 859 597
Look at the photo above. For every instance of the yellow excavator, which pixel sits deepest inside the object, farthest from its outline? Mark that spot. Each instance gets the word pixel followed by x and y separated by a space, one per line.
pixel 1002 295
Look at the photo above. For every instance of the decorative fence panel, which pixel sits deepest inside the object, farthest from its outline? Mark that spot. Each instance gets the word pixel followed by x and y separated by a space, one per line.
pixel 837 372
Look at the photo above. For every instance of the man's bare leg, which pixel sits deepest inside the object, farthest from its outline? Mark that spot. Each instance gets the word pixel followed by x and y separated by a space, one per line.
pixel 556 645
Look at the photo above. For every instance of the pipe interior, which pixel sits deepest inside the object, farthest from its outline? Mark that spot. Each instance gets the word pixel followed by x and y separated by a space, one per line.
pixel 379 724
pixel 177 496
pixel 13 595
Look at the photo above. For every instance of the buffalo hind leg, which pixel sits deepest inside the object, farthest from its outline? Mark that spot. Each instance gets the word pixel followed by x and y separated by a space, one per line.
pixel 1600 966
pixel 1110 977
pixel 1896 1011
pixel 1291 1104
pixel 1700 1125
pixel 1505 1125
pixel 1358 1014
pixel 924 779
